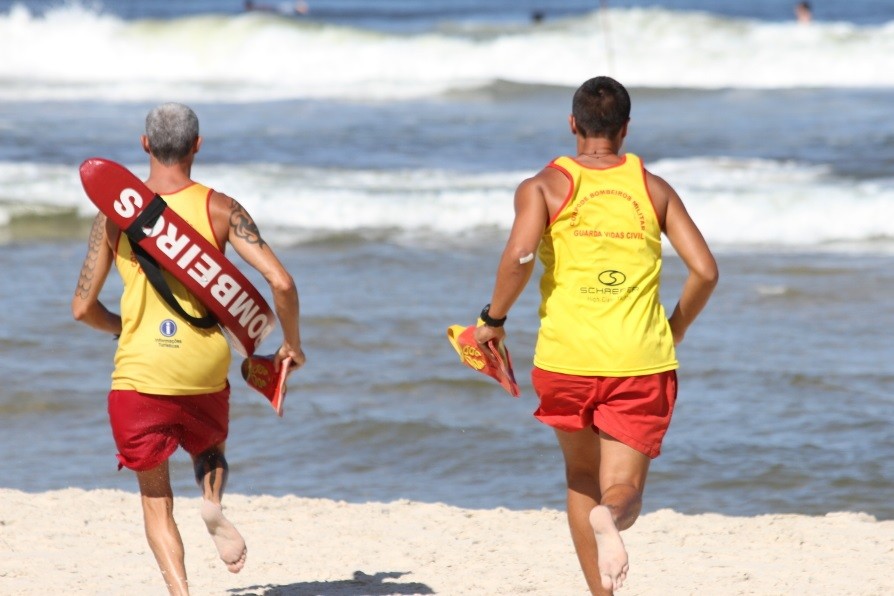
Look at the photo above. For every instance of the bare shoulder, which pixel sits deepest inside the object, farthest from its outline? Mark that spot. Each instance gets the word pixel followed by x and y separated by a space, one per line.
pixel 661 193
pixel 233 221
pixel 220 205
pixel 547 187
pixel 553 179
pixel 229 216
pixel 658 186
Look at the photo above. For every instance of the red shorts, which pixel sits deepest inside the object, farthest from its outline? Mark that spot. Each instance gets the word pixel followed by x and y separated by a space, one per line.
pixel 634 410
pixel 148 428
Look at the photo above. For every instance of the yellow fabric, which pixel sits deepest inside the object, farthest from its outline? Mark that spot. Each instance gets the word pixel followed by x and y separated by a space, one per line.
pixel 600 310
pixel 159 352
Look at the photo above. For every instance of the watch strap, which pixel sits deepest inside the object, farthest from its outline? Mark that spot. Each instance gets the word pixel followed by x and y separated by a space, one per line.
pixel 489 320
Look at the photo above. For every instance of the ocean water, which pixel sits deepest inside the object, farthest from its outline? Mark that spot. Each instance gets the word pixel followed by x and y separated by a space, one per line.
pixel 378 146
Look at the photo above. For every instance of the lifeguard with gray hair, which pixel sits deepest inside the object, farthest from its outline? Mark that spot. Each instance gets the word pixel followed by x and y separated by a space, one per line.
pixel 169 384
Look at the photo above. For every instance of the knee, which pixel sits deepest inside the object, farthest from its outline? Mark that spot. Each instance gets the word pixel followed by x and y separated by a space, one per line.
pixel 158 514
pixel 625 502
pixel 584 479
pixel 208 461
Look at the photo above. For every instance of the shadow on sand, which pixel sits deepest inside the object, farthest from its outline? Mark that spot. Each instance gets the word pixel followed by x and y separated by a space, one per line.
pixel 362 584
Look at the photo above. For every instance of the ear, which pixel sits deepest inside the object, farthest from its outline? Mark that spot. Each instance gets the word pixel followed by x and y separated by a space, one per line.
pixel 144 141
pixel 624 129
pixel 572 124
pixel 198 144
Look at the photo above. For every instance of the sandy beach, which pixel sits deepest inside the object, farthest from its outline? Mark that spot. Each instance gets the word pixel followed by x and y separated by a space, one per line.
pixel 91 542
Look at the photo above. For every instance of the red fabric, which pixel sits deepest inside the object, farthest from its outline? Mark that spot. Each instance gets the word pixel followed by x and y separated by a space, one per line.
pixel 149 428
pixel 634 410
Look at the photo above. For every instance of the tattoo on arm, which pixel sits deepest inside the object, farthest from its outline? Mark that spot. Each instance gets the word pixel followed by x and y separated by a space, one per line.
pixel 243 226
pixel 94 245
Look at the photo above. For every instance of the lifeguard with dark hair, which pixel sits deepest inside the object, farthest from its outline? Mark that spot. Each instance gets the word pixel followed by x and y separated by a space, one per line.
pixel 605 362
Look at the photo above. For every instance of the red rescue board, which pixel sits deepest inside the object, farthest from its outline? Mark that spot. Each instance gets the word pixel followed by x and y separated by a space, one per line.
pixel 200 266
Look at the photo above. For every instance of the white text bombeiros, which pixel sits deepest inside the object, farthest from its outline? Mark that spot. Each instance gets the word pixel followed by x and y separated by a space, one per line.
pixel 200 266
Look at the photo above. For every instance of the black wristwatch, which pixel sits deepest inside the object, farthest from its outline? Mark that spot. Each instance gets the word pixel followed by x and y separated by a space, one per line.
pixel 489 320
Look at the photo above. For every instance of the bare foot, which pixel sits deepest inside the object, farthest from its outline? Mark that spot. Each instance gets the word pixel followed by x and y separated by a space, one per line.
pixel 612 555
pixel 226 537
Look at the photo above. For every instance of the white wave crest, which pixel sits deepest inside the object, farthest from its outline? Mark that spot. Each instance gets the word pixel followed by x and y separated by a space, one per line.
pixel 735 202
pixel 75 52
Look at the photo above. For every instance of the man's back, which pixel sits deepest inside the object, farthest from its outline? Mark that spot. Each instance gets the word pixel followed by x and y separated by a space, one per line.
pixel 608 427
pixel 158 353
pixel 600 310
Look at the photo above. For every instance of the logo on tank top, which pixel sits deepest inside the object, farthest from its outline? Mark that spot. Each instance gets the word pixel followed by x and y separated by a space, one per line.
pixel 168 328
pixel 612 287
pixel 612 277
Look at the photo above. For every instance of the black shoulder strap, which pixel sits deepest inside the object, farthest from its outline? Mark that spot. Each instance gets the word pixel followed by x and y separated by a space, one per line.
pixel 150 266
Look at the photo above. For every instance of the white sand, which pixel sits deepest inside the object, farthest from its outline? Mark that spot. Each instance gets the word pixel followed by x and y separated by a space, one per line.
pixel 91 542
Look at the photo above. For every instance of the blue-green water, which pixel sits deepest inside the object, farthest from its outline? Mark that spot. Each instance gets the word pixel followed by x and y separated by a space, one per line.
pixel 379 149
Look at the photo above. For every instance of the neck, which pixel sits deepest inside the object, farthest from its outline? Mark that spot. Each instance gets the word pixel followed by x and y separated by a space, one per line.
pixel 164 179
pixel 596 147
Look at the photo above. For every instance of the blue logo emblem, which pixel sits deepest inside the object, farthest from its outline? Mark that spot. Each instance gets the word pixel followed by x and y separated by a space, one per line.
pixel 168 328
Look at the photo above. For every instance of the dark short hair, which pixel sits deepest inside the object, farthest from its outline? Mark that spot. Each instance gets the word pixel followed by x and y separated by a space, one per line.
pixel 172 129
pixel 601 107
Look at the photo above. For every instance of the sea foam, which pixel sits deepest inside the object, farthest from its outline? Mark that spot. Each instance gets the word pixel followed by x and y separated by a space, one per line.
pixel 74 52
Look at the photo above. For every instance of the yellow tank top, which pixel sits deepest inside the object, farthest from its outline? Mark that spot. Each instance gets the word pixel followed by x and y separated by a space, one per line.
pixel 159 352
pixel 600 310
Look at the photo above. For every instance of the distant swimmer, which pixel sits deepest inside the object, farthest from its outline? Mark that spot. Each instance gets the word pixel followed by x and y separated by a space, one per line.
pixel 803 12
pixel 299 8
pixel 254 7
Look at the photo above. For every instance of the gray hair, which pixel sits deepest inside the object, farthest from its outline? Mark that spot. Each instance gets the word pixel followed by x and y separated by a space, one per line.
pixel 172 129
